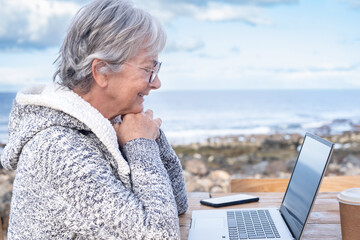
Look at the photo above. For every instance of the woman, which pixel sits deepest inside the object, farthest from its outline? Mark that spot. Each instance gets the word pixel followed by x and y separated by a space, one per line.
pixel 91 164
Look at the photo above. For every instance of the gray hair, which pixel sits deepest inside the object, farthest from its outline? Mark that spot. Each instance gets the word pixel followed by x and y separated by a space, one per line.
pixel 111 30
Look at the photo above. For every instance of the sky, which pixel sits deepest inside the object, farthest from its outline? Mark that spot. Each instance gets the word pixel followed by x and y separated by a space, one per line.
pixel 212 45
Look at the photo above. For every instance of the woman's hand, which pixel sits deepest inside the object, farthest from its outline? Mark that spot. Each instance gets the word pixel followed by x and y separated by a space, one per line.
pixel 139 125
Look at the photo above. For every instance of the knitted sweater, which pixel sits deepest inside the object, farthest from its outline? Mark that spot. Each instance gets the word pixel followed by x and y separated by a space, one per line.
pixel 73 181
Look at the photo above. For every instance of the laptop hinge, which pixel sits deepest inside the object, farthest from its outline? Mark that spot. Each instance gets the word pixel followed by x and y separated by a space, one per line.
pixel 290 230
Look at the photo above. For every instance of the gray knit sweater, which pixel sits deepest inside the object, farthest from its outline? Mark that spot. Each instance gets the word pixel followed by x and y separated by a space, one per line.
pixel 73 181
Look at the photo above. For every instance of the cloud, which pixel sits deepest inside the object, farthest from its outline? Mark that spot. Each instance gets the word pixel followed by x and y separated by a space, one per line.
pixel 22 76
pixel 247 11
pixel 222 12
pixel 319 69
pixel 314 77
pixel 230 73
pixel 235 50
pixel 21 68
pixel 353 3
pixel 184 45
pixel 237 2
pixel 34 24
pixel 42 23
pixel 76 1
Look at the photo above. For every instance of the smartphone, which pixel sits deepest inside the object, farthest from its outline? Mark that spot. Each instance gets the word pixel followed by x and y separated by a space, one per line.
pixel 229 200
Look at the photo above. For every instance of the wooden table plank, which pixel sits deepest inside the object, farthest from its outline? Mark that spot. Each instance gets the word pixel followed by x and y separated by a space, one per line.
pixel 322 231
pixel 330 217
pixel 1 230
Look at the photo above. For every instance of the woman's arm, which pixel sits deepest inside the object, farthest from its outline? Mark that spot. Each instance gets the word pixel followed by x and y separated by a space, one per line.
pixel 173 167
pixel 97 204
pixel 142 125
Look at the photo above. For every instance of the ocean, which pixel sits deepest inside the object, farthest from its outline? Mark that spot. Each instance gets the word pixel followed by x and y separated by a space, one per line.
pixel 194 116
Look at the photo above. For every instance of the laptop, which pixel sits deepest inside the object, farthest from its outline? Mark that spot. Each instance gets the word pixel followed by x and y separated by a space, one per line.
pixel 289 221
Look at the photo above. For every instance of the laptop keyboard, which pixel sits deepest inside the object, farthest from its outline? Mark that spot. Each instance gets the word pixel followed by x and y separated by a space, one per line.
pixel 251 224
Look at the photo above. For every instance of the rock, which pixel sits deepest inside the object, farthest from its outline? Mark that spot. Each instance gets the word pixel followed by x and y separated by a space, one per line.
pixel 355 161
pixel 238 160
pixel 196 167
pixel 211 158
pixel 238 175
pixel 346 168
pixel 250 170
pixel 291 164
pixel 334 167
pixel 221 179
pixel 217 189
pixel 190 186
pixel 275 167
pixel 190 182
pixel 353 171
pixel 1 152
pixel 219 175
pixel 204 184
pixel 260 167
pixel 197 184
pixel 187 176
pixel 6 185
pixel 258 176
pixel 284 175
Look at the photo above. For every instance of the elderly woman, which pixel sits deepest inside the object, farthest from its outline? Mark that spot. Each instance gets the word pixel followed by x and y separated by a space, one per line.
pixel 91 164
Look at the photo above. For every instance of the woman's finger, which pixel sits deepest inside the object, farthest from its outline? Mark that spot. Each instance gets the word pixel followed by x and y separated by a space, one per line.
pixel 158 122
pixel 116 126
pixel 149 113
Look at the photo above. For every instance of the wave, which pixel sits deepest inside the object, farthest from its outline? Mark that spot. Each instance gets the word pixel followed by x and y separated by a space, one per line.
pixel 324 128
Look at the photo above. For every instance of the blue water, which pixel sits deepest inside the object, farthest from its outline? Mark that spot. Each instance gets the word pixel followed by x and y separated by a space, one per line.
pixel 6 100
pixel 193 116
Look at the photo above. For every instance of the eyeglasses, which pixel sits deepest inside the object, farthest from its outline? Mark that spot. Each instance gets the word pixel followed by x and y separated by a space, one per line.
pixel 154 72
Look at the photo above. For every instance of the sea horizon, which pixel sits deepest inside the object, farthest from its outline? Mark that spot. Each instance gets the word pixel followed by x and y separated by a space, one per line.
pixel 191 116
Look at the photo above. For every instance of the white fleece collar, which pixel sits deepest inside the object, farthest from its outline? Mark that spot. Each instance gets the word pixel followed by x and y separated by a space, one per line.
pixel 59 98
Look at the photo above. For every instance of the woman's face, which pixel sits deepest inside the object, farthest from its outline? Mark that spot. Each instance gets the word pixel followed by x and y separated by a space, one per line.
pixel 127 89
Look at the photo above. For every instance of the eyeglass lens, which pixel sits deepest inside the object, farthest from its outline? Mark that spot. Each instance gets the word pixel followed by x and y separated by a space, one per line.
pixel 155 72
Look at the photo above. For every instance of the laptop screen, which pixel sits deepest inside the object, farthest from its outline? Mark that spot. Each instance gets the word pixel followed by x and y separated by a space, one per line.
pixel 304 183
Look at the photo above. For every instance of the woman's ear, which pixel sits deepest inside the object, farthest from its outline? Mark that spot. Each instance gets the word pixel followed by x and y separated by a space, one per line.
pixel 101 78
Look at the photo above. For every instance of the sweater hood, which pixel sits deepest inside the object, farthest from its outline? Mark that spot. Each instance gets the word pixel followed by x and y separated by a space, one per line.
pixel 40 107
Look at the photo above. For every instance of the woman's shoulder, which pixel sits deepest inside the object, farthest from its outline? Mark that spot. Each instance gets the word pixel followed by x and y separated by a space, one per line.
pixel 60 148
pixel 63 138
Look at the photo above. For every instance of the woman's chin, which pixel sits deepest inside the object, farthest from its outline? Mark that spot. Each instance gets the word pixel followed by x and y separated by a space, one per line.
pixel 137 109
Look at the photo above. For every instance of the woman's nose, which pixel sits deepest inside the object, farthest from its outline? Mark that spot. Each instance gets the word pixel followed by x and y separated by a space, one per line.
pixel 156 84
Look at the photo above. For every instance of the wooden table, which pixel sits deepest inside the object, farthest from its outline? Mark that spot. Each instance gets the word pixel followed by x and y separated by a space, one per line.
pixel 324 221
